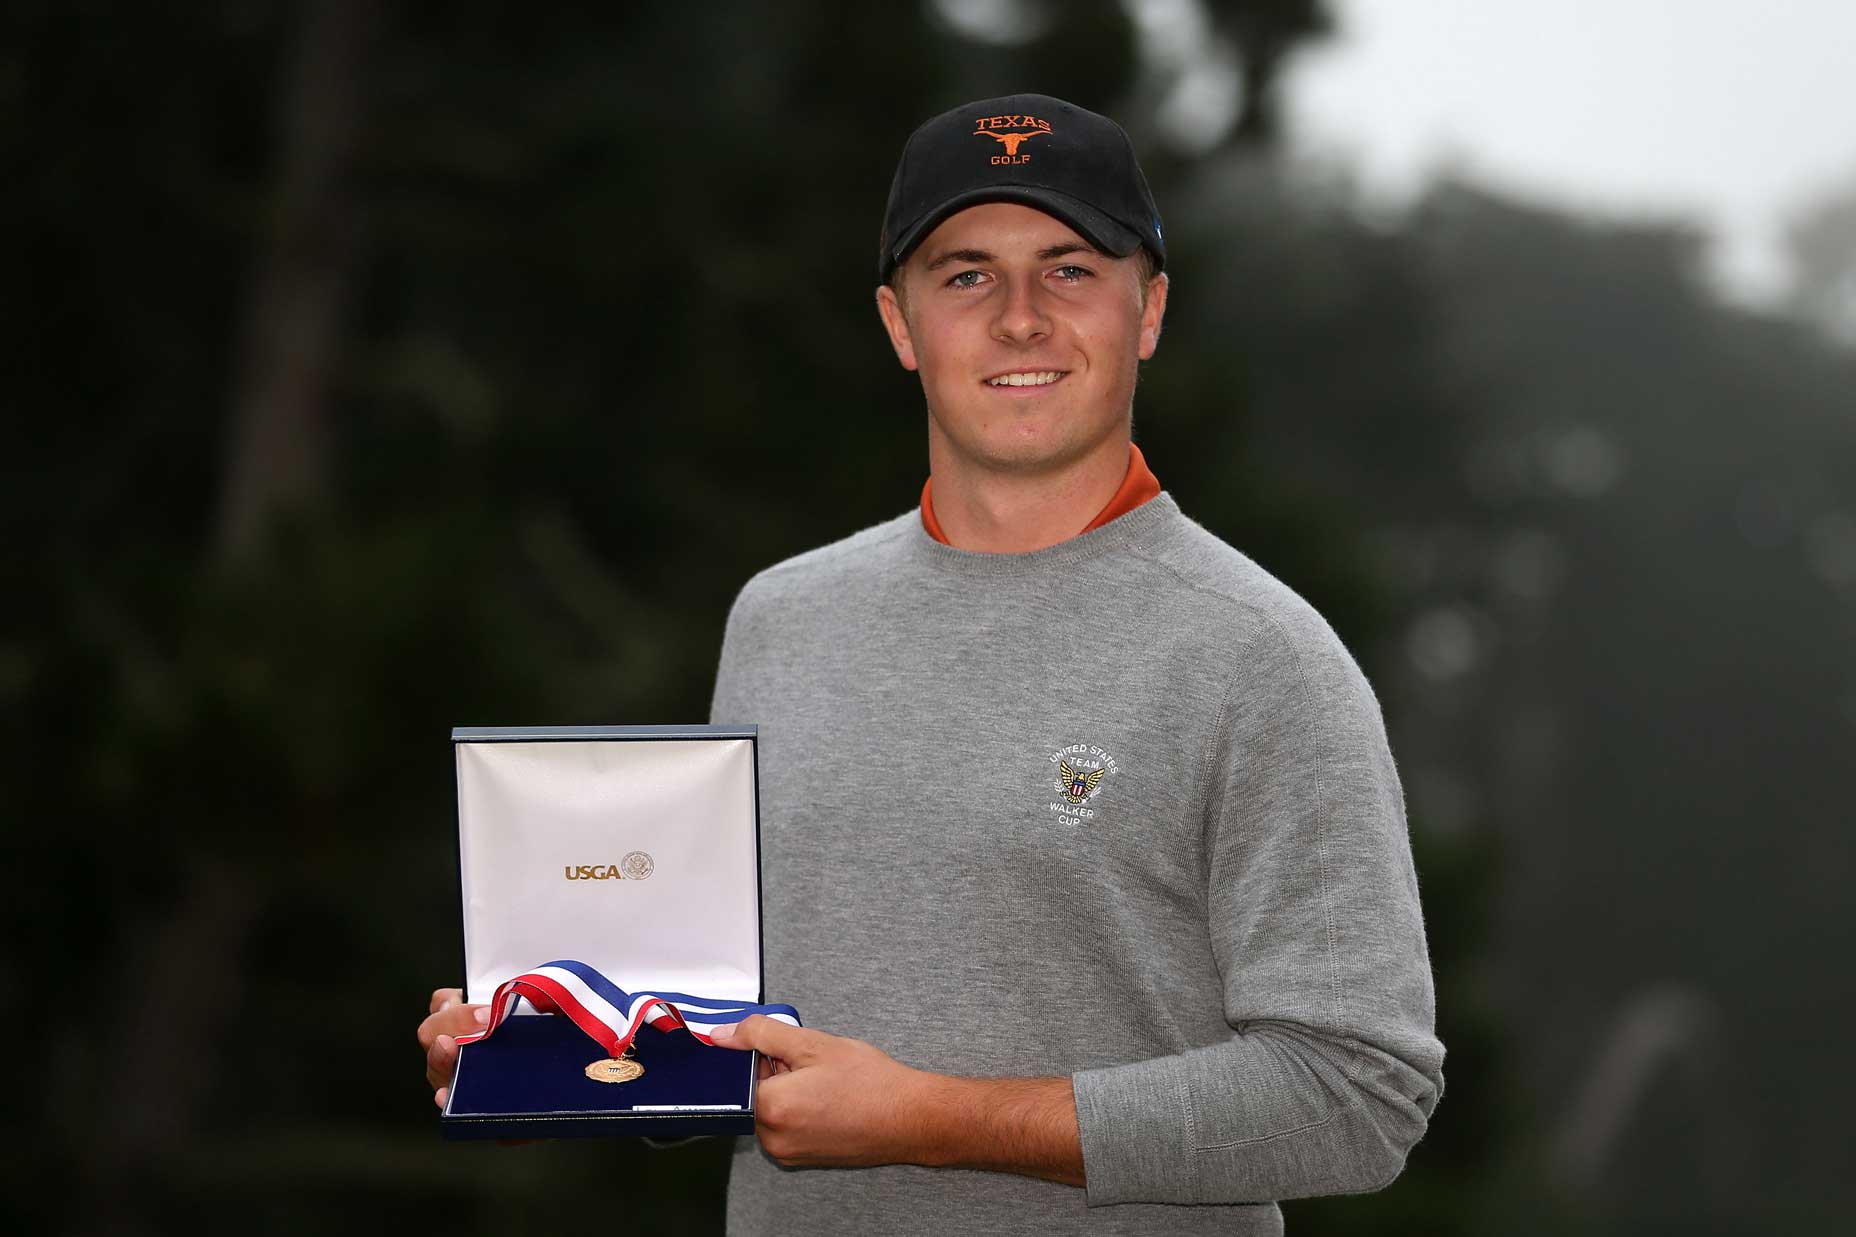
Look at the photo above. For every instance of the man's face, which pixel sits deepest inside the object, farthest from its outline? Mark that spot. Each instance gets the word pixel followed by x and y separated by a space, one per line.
pixel 1027 339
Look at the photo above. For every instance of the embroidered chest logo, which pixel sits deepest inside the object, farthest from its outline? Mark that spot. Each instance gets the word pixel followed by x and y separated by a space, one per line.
pixel 1076 784
pixel 1082 770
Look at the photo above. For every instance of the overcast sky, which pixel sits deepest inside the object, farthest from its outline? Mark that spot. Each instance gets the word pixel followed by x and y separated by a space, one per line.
pixel 1731 112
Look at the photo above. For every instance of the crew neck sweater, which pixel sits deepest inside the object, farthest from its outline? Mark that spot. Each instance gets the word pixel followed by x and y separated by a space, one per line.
pixel 1120 809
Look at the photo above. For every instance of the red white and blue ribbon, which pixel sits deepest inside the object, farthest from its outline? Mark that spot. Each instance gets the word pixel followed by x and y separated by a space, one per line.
pixel 611 1015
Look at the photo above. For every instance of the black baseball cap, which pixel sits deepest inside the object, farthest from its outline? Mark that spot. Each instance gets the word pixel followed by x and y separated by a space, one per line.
pixel 1030 148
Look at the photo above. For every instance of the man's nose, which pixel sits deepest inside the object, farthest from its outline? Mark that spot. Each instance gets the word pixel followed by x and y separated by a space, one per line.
pixel 1022 313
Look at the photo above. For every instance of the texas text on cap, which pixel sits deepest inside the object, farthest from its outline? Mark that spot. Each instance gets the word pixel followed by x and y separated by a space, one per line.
pixel 1027 148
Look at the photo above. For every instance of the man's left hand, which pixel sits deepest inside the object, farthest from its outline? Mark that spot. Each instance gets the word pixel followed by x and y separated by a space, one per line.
pixel 827 1101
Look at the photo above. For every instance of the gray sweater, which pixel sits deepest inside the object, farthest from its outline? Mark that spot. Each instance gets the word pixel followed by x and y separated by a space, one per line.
pixel 1120 809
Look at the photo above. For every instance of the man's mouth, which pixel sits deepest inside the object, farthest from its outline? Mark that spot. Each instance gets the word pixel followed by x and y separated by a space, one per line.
pixel 1033 378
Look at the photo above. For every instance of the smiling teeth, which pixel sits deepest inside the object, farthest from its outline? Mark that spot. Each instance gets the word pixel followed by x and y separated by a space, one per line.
pixel 1025 380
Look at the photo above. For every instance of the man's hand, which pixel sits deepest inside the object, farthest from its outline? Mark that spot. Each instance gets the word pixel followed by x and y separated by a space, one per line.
pixel 826 1101
pixel 449 1018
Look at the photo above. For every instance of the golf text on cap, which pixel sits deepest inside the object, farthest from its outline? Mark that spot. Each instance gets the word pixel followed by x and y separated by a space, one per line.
pixel 1010 132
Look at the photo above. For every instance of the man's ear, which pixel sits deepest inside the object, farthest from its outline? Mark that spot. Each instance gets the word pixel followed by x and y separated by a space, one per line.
pixel 1151 315
pixel 889 308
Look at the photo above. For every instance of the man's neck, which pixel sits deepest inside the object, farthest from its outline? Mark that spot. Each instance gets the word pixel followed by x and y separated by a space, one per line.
pixel 995 512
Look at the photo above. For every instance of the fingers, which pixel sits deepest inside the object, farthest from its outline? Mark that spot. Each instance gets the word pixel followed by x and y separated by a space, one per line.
pixel 441 1061
pixel 792 1045
pixel 453 1020
pixel 449 1018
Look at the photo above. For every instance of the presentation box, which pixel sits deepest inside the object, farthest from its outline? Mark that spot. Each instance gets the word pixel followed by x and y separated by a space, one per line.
pixel 636 850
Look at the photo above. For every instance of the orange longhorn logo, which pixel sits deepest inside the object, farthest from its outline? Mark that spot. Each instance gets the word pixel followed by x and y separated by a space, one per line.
pixel 1011 140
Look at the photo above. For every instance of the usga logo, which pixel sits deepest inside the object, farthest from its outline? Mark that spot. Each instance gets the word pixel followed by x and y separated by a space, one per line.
pixel 634 867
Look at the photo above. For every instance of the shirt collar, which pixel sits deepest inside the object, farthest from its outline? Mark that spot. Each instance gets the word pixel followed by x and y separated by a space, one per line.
pixel 1137 487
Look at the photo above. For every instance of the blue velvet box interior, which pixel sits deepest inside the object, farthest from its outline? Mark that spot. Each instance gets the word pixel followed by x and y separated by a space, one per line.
pixel 529 1081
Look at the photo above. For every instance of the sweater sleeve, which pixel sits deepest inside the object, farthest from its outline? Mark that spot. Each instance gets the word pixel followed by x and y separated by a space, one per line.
pixel 1332 1067
pixel 727 704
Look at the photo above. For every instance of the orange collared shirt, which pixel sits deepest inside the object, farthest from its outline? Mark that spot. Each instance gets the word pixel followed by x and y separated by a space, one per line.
pixel 1137 487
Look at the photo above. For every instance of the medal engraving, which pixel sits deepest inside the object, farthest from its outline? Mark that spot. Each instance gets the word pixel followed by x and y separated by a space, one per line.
pixel 614 1069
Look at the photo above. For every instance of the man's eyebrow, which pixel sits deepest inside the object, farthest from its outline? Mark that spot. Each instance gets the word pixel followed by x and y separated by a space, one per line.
pixel 961 255
pixel 982 256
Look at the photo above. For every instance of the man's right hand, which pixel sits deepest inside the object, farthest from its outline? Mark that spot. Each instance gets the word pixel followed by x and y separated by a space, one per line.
pixel 449 1018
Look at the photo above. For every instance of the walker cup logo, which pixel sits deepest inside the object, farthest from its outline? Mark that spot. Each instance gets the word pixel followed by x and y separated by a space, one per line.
pixel 1082 769
pixel 1077 785
pixel 1010 132
pixel 635 866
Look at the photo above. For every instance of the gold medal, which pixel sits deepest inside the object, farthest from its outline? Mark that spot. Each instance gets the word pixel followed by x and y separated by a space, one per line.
pixel 616 1069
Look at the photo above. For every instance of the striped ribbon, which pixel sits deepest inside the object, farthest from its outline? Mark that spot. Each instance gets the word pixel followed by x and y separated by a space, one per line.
pixel 608 1013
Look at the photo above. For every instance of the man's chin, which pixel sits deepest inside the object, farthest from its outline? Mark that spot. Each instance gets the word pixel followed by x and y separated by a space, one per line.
pixel 1052 447
pixel 1039 457
pixel 1026 445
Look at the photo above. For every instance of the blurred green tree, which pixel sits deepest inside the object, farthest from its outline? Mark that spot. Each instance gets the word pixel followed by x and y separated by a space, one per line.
pixel 1822 243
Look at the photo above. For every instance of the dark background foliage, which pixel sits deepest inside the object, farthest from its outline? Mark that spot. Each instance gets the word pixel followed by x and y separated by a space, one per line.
pixel 377 367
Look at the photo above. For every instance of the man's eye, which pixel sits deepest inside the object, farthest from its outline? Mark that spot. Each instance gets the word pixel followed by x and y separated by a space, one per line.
pixel 1072 274
pixel 965 279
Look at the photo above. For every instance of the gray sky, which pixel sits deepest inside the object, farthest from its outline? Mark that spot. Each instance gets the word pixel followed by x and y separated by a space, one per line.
pixel 1734 113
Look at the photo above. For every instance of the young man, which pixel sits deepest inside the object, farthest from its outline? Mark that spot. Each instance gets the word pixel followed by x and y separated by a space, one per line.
pixel 1082 825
